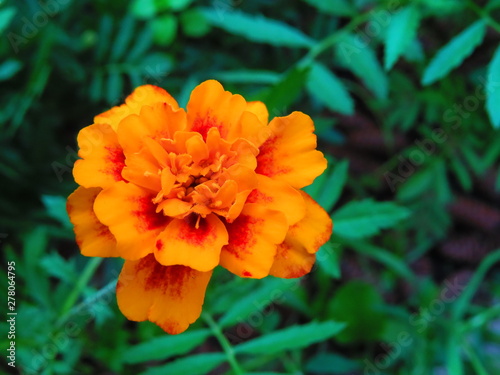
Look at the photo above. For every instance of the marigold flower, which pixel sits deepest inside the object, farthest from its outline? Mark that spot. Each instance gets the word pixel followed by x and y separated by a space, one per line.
pixel 177 192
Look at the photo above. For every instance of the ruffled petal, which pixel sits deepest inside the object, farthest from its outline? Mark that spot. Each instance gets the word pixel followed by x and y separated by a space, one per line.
pixel 253 237
pixel 131 216
pixel 169 296
pixel 279 196
pixel 102 157
pixel 159 121
pixel 142 95
pixel 212 107
pixel 290 154
pixel 259 109
pixel 296 255
pixel 193 241
pixel 93 237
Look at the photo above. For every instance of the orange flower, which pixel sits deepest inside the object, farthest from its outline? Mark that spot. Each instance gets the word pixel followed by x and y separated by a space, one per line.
pixel 177 192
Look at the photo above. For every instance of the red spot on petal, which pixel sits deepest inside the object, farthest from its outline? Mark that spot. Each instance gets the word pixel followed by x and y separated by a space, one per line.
pixel 258 196
pixel 115 162
pixel 241 235
pixel 203 124
pixel 266 163
pixel 247 274
pixel 147 217
pixel 196 236
pixel 159 245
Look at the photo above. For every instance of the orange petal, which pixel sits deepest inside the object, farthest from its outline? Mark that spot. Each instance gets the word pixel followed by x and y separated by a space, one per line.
pixel 192 243
pixel 142 95
pixel 93 237
pixel 131 216
pixel 102 157
pixel 279 196
pixel 253 237
pixel 142 169
pixel 292 260
pixel 259 109
pixel 290 154
pixel 170 297
pixel 296 255
pixel 156 122
pixel 210 106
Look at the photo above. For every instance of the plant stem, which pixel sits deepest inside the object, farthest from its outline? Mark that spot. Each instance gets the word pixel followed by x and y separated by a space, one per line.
pixel 484 14
pixel 82 282
pixel 226 346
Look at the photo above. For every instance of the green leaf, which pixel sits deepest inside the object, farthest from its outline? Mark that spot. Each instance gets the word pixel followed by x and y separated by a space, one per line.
pixel 328 258
pixel 122 41
pixel 334 7
pixel 453 53
pixel 6 16
pixel 56 209
pixel 255 301
pixel 330 363
pixel 358 305
pixel 164 29
pixel 114 87
pixel 198 364
pixel 290 338
pixel 354 54
pixel 164 347
pixel 359 219
pixel 174 5
pixel 57 266
pixel 401 31
pixel 285 92
pixel 493 90
pixel 143 9
pixel 258 28
pixel 248 76
pixel 9 68
pixel 323 85
pixel 194 23
pixel 334 185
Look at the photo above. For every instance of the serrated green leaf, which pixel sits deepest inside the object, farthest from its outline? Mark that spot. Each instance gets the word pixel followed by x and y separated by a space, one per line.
pixel 334 7
pixel 354 54
pixel 493 90
pixel 333 186
pixel 257 28
pixel 453 53
pixel 198 364
pixel 9 68
pixel 323 85
pixel 164 347
pixel 255 301
pixel 359 219
pixel 290 338
pixel 401 31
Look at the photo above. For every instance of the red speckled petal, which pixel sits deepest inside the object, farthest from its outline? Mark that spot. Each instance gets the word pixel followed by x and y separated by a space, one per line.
pixel 142 95
pixel 196 247
pixel 280 196
pixel 102 157
pixel 210 106
pixel 253 237
pixel 93 237
pixel 290 154
pixel 169 296
pixel 131 216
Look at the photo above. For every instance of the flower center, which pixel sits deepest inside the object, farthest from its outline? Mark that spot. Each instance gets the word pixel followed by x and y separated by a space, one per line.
pixel 203 177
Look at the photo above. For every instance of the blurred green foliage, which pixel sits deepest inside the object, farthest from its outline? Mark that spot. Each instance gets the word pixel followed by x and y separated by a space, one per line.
pixel 405 96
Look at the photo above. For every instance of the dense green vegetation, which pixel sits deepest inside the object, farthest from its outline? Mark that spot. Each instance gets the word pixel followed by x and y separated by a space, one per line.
pixel 405 96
